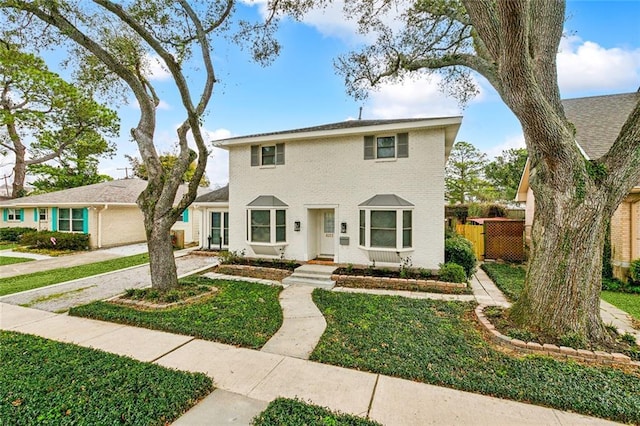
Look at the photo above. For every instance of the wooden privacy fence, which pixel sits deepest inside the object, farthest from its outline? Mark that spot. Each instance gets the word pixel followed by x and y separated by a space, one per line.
pixel 495 238
pixel 475 234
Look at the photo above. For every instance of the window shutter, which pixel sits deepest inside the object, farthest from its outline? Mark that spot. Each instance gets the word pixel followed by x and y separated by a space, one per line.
pixel 185 215
pixel 279 153
pixel 368 148
pixel 5 215
pixel 255 155
pixel 54 219
pixel 85 220
pixel 21 215
pixel 35 215
pixel 403 145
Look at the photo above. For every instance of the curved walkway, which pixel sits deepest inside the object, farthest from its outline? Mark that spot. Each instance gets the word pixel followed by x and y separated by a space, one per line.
pixel 302 324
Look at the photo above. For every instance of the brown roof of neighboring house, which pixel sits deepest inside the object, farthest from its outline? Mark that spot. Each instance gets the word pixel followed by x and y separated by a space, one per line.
pixel 598 120
pixel 220 195
pixel 122 191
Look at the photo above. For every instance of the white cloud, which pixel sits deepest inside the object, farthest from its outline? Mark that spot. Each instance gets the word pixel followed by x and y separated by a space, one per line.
pixel 217 170
pixel 163 105
pixel 585 65
pixel 156 70
pixel 419 96
pixel 511 141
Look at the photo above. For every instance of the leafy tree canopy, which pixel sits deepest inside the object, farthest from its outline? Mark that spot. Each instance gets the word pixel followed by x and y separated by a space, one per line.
pixel 505 171
pixel 464 174
pixel 168 161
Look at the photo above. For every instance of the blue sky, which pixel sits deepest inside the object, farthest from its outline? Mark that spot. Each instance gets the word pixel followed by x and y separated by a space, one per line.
pixel 600 55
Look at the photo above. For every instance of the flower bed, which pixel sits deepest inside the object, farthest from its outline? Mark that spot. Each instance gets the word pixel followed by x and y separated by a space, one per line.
pixel 411 284
pixel 264 273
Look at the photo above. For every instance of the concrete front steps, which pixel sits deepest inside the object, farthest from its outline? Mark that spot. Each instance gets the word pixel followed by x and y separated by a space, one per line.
pixel 312 275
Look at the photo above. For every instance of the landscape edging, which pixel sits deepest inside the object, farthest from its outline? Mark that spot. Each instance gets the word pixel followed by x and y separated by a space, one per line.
pixel 560 352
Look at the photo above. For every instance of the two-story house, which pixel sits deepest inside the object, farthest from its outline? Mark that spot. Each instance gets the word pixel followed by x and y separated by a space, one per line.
pixel 361 192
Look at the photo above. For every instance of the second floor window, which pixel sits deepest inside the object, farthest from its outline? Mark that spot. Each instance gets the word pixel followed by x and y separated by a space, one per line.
pixel 267 155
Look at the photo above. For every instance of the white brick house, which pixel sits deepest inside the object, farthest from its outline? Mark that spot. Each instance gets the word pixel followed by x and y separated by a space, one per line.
pixel 352 192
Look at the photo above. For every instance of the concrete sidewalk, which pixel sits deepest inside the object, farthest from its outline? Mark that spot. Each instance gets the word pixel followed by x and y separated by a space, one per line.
pixel 46 263
pixel 251 378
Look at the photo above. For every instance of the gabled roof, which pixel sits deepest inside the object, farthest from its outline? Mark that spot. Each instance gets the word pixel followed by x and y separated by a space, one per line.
pixel 120 192
pixel 352 127
pixel 598 120
pixel 220 195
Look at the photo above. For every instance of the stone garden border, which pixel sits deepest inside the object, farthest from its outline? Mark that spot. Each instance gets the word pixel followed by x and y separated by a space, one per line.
pixel 560 352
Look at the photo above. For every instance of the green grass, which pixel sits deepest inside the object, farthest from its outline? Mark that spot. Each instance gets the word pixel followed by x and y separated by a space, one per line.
pixel 47 382
pixel 437 342
pixel 240 313
pixel 630 303
pixel 41 279
pixel 7 245
pixel 508 278
pixel 293 412
pixel 6 260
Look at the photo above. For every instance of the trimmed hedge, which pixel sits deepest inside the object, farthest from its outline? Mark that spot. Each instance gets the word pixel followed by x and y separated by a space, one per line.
pixel 460 250
pixel 453 273
pixel 56 240
pixel 13 234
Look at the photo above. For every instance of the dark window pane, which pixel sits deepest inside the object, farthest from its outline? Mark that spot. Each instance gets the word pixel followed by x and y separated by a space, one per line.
pixel 215 236
pixel 281 234
pixel 215 220
pixel 260 234
pixel 406 238
pixel 383 219
pixel 268 155
pixel 63 225
pixel 64 214
pixel 76 225
pixel 383 238
pixel 386 147
pixel 260 217
pixel 280 217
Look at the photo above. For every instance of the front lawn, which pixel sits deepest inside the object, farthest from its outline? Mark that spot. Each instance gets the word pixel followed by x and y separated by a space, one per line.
pixel 438 342
pixel 508 278
pixel 6 260
pixel 628 302
pixel 240 313
pixel 6 245
pixel 20 283
pixel 285 412
pixel 47 382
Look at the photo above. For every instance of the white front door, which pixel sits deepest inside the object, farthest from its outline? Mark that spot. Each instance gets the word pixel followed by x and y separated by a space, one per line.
pixel 327 232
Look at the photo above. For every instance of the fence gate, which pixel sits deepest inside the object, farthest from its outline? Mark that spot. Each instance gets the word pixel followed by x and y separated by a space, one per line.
pixel 504 240
pixel 475 234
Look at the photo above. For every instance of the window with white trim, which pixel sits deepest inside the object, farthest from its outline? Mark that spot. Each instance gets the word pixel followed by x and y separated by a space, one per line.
pixel 267 155
pixel 43 215
pixel 14 215
pixel 70 220
pixel 386 146
pixel 386 222
pixel 220 228
pixel 267 226
pixel 386 229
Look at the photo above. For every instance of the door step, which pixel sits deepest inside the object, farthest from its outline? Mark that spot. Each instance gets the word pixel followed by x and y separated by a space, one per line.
pixel 312 275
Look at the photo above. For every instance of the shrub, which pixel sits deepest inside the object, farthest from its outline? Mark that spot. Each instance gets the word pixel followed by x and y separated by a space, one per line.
pixel 56 240
pixel 453 273
pixel 460 250
pixel 13 234
pixel 634 272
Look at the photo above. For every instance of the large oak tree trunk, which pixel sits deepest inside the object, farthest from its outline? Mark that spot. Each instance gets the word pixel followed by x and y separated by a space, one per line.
pixel 161 261
pixel 19 172
pixel 564 275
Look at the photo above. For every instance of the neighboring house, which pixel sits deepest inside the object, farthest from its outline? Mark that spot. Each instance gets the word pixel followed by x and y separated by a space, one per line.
pixel 213 209
pixel 107 211
pixel 358 192
pixel 598 121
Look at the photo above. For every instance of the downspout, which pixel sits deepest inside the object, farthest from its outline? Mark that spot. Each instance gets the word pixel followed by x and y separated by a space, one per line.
pixel 106 206
pixel 634 231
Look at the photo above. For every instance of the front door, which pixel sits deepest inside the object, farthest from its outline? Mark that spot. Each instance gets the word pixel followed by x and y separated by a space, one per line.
pixel 327 231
